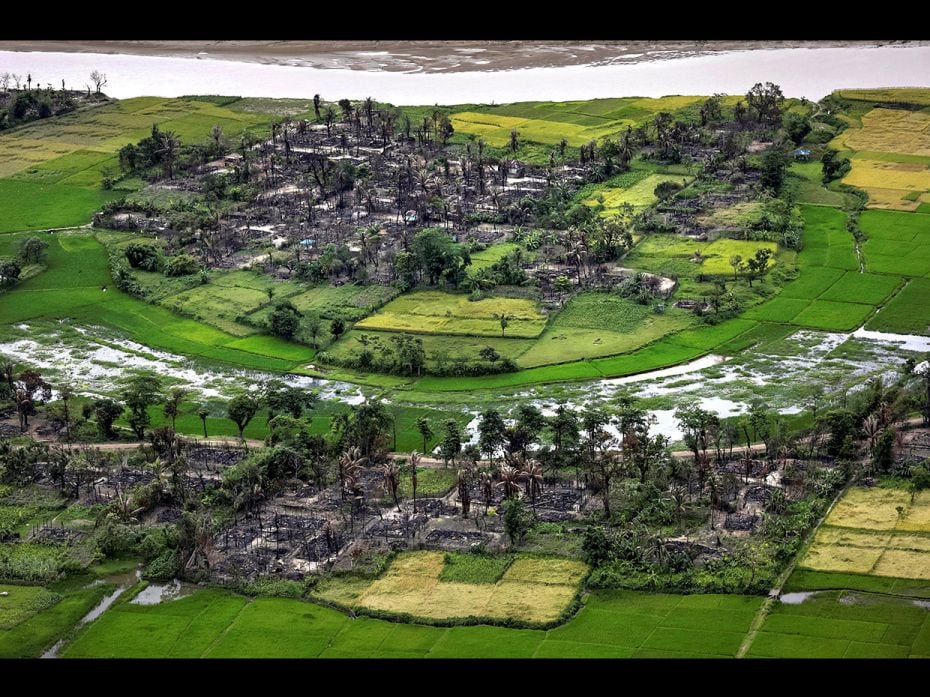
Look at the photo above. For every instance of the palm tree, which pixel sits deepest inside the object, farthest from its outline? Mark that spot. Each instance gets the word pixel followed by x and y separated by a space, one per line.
pixel 391 475
pixel 509 478
pixel 168 147
pixel 350 463
pixel 203 413
pixel 532 474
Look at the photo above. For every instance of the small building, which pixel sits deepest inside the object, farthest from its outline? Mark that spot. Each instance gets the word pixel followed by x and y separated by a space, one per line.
pixel 307 242
pixel 410 217
pixel 802 154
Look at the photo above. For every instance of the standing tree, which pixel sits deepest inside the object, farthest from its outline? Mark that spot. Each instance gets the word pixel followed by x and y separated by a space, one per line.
pixel 337 328
pixel 241 410
pixel 451 443
pixel 32 250
pixel 391 475
pixel 426 431
pixel 312 325
pixel 106 411
pixel 414 463
pixel 173 404
pixel 140 393
pixel 203 413
pixel 66 394
pixel 284 320
pixel 491 432
pixel 514 139
pixel 169 145
pixel 462 483
pixel 99 79
pixel 316 107
pixel 504 322
pixel 735 261
pixel 758 264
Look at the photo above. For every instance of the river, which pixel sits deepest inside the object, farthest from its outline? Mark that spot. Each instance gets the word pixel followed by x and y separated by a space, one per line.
pixel 801 72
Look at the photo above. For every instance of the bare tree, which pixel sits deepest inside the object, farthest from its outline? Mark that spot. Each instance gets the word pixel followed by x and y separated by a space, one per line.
pixel 99 79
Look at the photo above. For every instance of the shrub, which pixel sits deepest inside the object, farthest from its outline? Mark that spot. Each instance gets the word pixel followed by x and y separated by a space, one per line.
pixel 181 265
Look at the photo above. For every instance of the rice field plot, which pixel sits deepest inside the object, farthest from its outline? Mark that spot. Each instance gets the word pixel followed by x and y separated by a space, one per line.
pixel 865 288
pixel 877 532
pixel 436 312
pixel 530 589
pixel 812 283
pixel 833 316
pixel 889 225
pixel 592 325
pixel 891 131
pixel 32 619
pixel 495 129
pixel 844 624
pixel 34 206
pixel 908 312
pixel 219 306
pixel 215 623
pixel 897 243
pixel 904 95
pixel 347 302
pixel 669 255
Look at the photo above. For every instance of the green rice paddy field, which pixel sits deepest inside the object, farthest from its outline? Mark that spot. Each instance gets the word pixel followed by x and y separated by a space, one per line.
pixel 617 624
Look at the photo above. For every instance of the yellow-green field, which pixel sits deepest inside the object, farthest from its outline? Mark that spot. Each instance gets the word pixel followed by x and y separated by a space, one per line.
pixel 51 170
pixel 890 150
pixel 532 589
pixel 577 122
pixel 638 195
pixel 874 531
pixel 435 312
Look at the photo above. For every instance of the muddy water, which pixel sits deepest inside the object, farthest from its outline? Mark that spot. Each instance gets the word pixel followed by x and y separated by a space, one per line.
pixel 156 593
pixel 796 598
pixel 122 581
pixel 801 72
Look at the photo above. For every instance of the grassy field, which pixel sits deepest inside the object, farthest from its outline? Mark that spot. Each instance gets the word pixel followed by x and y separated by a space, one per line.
pixel 592 325
pixel 215 623
pixel 50 170
pixel 877 531
pixel 436 312
pixel 640 193
pixel 845 624
pixel 669 255
pixel 548 122
pixel 78 269
pixel 33 618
